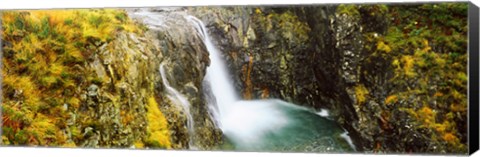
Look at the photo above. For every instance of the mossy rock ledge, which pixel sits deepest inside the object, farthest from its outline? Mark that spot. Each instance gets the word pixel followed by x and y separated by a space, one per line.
pixel 109 92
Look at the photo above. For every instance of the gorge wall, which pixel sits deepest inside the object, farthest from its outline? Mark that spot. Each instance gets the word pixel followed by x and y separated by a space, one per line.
pixel 354 62
pixel 90 78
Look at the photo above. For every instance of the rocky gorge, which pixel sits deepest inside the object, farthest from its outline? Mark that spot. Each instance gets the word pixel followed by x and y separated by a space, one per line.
pixel 377 70
pixel 110 95
pixel 342 58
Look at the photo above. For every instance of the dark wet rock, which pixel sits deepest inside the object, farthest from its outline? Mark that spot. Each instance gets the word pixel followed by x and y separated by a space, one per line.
pixel 305 55
pixel 319 57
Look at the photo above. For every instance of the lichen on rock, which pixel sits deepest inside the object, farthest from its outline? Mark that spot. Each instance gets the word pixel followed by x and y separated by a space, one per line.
pixel 89 78
pixel 374 67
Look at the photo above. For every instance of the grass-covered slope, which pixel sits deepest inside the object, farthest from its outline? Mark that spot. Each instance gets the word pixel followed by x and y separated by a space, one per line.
pixel 423 61
pixel 61 75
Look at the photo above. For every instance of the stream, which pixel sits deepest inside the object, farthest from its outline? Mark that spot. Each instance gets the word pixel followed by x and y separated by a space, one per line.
pixel 257 125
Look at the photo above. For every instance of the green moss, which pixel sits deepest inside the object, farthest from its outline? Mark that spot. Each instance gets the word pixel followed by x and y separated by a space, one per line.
pixel 348 9
pixel 286 24
pixel 423 50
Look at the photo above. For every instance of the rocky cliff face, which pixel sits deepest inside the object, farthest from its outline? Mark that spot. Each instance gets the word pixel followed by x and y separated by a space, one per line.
pixel 304 55
pixel 335 58
pixel 186 58
pixel 90 78
pixel 101 85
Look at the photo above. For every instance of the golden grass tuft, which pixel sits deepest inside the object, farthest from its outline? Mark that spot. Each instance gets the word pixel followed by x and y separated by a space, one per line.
pixel 391 99
pixel 361 94
pixel 43 47
pixel 157 129
pixel 408 65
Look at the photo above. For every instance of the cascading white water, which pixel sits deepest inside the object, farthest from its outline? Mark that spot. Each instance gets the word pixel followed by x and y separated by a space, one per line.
pixel 244 121
pixel 264 124
pixel 217 74
pixel 259 125
pixel 179 99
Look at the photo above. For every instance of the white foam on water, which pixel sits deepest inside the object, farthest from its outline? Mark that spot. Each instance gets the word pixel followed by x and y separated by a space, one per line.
pixel 248 121
pixel 245 122
pixel 323 113
pixel 348 139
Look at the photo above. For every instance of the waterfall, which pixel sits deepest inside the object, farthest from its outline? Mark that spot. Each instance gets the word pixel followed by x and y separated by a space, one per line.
pixel 244 121
pixel 180 100
pixel 217 74
pixel 264 125
pixel 254 125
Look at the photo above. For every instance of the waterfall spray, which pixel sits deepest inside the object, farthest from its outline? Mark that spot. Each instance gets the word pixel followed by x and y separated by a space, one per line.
pixel 217 74
pixel 259 124
pixel 255 125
